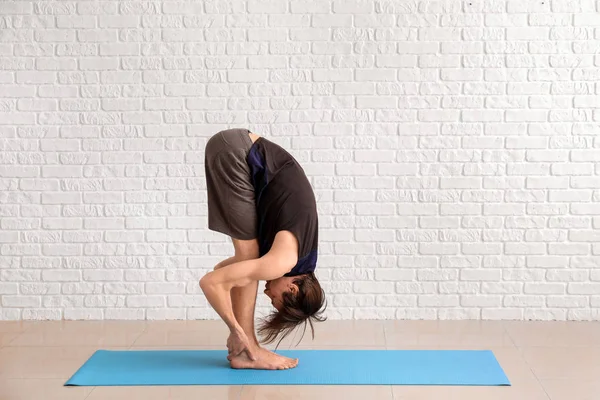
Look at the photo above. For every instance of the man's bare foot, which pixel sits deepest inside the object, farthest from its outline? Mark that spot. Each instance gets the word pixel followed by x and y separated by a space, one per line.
pixel 286 360
pixel 265 360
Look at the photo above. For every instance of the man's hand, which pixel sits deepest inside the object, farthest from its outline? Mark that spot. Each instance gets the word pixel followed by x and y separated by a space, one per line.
pixel 237 343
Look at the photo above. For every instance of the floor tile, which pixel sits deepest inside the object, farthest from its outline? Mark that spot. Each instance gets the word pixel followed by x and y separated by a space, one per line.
pixel 308 346
pixel 178 347
pixel 533 392
pixel 471 334
pixel 322 392
pixel 42 389
pixel 44 362
pixel 184 333
pixel 572 389
pixel 554 333
pixel 7 337
pixel 563 362
pixel 16 326
pixel 81 333
pixel 88 326
pixel 176 325
pixel 338 333
pixel 166 392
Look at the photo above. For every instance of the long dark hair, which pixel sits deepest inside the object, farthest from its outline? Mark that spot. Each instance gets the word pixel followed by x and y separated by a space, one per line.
pixel 305 307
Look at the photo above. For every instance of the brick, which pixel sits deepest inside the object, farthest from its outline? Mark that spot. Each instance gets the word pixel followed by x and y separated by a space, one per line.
pixel 583 288
pixel 373 287
pixel 480 274
pixel 459 287
pixel 568 249
pixel 438 300
pixel 545 288
pixel 480 301
pixel 331 21
pixel 523 301
pixel 568 301
pixel 21 301
pixel 417 313
pixel 12 288
pixel 394 274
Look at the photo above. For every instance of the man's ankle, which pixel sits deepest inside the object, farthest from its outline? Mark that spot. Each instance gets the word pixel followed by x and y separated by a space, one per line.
pixel 254 342
pixel 254 347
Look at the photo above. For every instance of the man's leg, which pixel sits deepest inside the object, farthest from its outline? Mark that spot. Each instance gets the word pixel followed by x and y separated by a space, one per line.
pixel 243 299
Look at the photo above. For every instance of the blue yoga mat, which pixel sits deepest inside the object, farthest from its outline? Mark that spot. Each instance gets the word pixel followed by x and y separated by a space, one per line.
pixel 316 367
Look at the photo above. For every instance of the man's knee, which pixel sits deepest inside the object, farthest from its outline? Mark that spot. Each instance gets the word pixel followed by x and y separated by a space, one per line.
pixel 246 249
pixel 250 254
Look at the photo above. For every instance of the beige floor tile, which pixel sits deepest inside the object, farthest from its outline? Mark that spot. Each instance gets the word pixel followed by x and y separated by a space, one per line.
pixel 201 325
pixel 16 326
pixel 44 362
pixel 572 389
pixel 178 347
pixel 7 337
pixel 182 338
pixel 189 334
pixel 338 333
pixel 322 392
pixel 184 333
pixel 470 334
pixel 88 326
pixel 465 346
pixel 166 392
pixel 81 333
pixel 469 393
pixel 40 389
pixel 446 326
pixel 554 333
pixel 563 362
pixel 515 366
pixel 309 346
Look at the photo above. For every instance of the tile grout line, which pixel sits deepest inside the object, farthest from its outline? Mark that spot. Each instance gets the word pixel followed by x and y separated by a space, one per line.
pixel 128 348
pixel 525 361
pixel 509 335
pixel 534 374
pixel 140 335
pixel 385 342
pixel 19 335
pixel 12 340
pixel 91 391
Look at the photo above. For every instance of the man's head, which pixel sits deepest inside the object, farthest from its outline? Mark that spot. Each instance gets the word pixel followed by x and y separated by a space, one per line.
pixel 297 299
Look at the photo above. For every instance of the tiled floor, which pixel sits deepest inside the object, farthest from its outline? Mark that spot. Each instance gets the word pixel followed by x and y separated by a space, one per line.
pixel 543 360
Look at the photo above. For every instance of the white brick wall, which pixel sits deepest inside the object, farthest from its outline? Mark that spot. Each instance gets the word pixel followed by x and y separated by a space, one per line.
pixel 454 147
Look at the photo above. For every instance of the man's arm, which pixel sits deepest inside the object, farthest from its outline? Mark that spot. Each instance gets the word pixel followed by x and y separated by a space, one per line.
pixel 217 284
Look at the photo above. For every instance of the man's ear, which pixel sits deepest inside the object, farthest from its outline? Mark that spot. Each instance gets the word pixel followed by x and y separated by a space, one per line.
pixel 294 289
